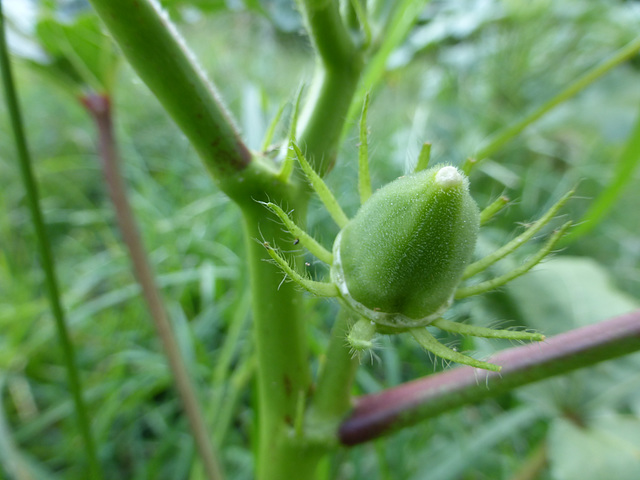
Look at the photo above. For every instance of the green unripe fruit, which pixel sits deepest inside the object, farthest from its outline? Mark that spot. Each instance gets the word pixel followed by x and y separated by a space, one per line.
pixel 400 259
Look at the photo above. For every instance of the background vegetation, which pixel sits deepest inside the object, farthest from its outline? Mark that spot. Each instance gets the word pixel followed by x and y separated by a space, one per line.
pixel 467 69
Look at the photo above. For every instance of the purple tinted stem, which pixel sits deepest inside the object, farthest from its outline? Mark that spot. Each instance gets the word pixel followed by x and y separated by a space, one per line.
pixel 380 414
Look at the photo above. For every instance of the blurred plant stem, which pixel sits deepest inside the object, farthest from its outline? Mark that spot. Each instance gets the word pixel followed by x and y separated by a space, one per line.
pixel 534 464
pixel 339 63
pixel 623 174
pixel 336 375
pixel 99 108
pixel 46 256
pixel 382 413
pixel 500 138
pixel 401 20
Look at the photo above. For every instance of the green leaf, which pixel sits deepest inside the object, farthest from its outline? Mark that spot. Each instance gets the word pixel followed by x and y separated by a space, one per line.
pixel 608 448
pixel 467 452
pixel 16 462
pixel 79 52
pixel 565 293
pixel 623 175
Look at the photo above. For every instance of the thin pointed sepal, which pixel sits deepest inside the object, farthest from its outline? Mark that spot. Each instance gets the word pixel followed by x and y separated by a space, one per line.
pixel 483 287
pixel 287 164
pixel 517 242
pixel 423 158
pixel 491 210
pixel 320 289
pixel 474 331
pixel 430 344
pixel 304 238
pixel 268 138
pixel 364 178
pixel 321 189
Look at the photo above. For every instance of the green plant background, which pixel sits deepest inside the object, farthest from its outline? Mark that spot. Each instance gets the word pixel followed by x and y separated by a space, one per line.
pixel 468 69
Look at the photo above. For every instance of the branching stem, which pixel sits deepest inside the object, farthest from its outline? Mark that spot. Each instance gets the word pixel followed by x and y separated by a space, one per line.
pixel 178 83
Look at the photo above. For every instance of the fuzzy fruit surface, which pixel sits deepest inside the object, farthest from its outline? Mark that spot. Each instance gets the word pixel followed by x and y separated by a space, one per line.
pixel 406 249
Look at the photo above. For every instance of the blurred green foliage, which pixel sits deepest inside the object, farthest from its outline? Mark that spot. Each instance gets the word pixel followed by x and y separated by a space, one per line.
pixel 79 55
pixel 468 69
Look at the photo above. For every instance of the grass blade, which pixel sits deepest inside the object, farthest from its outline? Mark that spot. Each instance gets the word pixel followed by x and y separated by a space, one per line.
pixel 46 257
pixel 500 138
pixel 624 173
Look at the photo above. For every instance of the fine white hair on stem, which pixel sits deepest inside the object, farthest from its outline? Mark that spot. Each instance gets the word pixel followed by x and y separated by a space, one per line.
pixel 171 28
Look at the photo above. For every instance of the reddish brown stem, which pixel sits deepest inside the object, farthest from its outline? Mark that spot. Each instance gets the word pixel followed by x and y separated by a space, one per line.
pixel 379 414
pixel 99 108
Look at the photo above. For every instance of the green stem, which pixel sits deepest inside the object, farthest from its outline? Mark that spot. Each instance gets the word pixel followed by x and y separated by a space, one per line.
pixel 491 210
pixel 321 120
pixel 381 414
pixel 280 338
pixel 333 397
pixel 331 93
pixel 46 257
pixel 99 108
pixel 331 39
pixel 503 136
pixel 159 56
pixel 403 18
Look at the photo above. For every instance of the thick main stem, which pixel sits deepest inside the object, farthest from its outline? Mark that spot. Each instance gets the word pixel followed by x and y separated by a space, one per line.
pixel 283 374
pixel 158 55
pixel 284 379
pixel 99 108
